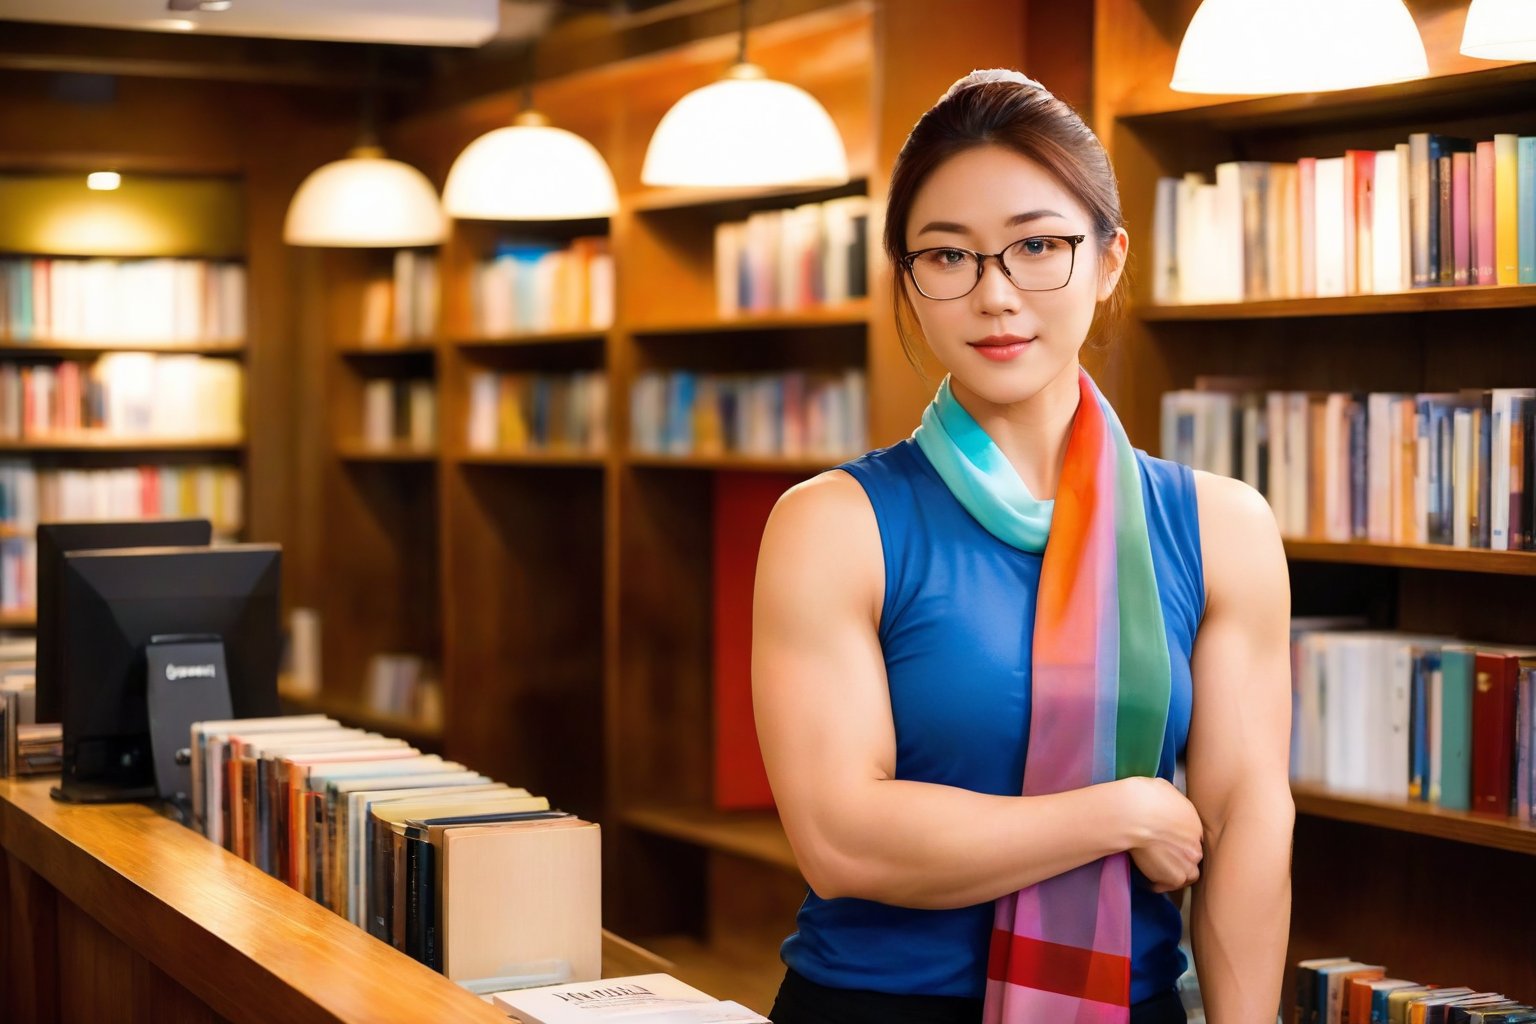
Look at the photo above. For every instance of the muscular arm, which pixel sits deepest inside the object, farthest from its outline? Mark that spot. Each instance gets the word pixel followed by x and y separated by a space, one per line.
pixel 1237 758
pixel 824 721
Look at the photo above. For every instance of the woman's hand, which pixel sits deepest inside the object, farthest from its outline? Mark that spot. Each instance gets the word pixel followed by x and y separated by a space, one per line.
pixel 1166 833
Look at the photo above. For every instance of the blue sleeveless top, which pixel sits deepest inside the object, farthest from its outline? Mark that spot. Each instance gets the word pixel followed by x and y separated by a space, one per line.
pixel 956 631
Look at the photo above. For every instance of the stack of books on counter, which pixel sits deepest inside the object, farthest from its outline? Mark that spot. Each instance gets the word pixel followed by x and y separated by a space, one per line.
pixel 642 999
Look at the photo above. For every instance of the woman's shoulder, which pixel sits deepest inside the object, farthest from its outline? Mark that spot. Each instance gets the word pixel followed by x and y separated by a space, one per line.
pixel 1239 538
pixel 822 537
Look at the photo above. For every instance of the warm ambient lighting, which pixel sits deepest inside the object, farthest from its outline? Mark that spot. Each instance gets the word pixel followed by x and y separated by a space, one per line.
pixel 365 200
pixel 530 171
pixel 1500 30
pixel 1281 46
pixel 103 181
pixel 746 130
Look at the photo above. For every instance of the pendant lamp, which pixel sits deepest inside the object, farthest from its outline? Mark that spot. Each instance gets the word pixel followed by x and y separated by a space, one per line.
pixel 365 200
pixel 1280 46
pixel 1500 30
pixel 746 130
pixel 530 171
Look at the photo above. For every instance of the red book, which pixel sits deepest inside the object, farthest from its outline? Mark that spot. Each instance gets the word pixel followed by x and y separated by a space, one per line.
pixel 1493 731
pixel 742 504
pixel 1360 222
pixel 1483 230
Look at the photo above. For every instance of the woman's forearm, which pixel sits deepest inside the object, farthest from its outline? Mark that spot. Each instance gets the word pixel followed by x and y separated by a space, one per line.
pixel 915 844
pixel 1240 917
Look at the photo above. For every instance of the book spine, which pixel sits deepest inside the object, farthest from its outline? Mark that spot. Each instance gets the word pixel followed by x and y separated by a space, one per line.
pixel 1506 257
pixel 1526 212
pixel 1462 269
pixel 1483 219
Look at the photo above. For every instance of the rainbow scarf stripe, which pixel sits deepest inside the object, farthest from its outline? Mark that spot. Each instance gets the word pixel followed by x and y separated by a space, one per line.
pixel 1061 950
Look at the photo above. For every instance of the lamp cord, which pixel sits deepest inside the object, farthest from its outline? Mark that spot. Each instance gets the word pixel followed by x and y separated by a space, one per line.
pixel 741 44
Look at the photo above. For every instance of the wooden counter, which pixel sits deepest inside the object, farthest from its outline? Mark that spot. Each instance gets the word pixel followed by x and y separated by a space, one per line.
pixel 113 912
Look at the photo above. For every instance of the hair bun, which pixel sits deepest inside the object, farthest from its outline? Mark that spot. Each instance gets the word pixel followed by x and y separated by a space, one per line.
pixel 982 77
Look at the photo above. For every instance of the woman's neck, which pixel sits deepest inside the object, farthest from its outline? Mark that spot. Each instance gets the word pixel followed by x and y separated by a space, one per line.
pixel 1031 434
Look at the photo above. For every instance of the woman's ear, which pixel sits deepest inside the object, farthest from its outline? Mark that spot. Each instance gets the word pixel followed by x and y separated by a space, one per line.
pixel 1113 263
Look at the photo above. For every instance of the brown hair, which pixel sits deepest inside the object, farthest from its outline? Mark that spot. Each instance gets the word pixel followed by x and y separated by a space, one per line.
pixel 992 108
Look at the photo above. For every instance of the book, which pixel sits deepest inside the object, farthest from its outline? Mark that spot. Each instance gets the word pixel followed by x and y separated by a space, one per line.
pixel 520 894
pixel 638 999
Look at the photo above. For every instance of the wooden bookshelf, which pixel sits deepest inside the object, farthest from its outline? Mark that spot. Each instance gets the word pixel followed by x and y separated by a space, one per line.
pixel 1417 818
pixel 1362 866
pixel 652 200
pixel 584 337
pixel 18 620
pixel 356 451
pixel 736 463
pixel 555 458
pixel 1424 300
pixel 360 351
pixel 1414 556
pixel 109 443
pixel 755 835
pixel 65 348
pixel 851 314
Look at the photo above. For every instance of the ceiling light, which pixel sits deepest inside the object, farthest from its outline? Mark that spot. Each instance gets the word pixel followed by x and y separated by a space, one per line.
pixel 365 200
pixel 1500 30
pixel 1281 46
pixel 530 170
pixel 746 130
pixel 103 181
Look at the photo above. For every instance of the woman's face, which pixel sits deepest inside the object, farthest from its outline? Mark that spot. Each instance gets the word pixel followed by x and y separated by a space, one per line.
pixel 1002 343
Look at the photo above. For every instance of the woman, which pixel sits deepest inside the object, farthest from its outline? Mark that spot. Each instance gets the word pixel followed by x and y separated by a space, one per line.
pixel 1016 594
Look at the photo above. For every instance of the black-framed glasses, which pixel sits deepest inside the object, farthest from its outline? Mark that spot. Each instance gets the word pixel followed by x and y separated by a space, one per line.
pixel 1039 263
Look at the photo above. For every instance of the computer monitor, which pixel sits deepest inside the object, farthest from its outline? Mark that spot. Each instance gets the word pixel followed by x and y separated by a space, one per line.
pixel 116 610
pixel 54 541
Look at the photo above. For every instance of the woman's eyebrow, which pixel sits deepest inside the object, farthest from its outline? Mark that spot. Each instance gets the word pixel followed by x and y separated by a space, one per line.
pixel 960 229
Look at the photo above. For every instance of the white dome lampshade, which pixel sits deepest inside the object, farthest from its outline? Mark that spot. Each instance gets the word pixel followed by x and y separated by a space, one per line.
pixel 1500 30
pixel 1280 46
pixel 530 171
pixel 365 200
pixel 746 130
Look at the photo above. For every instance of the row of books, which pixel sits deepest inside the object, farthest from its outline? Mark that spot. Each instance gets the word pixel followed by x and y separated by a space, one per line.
pixel 404 686
pixel 123 394
pixel 1432 211
pixel 401 307
pixel 1412 717
pixel 27 747
pixel 166 301
pixel 472 877
pixel 1456 468
pixel 30 495
pixel 1338 990
pixel 767 414
pixel 538 286
pixel 400 412
pixel 516 412
pixel 809 255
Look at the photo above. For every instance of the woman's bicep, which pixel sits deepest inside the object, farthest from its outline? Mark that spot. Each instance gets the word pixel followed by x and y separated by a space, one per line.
pixel 818 677
pixel 1239 739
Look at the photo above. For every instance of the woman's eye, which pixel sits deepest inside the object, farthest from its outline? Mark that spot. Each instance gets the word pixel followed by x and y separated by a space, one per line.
pixel 1038 246
pixel 946 258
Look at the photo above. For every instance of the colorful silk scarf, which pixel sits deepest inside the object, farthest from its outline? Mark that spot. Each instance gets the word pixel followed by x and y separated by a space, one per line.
pixel 1061 950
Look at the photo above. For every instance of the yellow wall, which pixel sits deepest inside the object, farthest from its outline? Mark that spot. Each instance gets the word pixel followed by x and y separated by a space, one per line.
pixel 55 214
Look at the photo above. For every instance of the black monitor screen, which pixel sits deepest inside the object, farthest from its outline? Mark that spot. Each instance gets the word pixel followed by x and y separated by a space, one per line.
pixel 112 604
pixel 54 541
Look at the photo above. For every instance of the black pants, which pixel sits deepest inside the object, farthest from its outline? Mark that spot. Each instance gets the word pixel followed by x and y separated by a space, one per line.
pixel 802 1001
